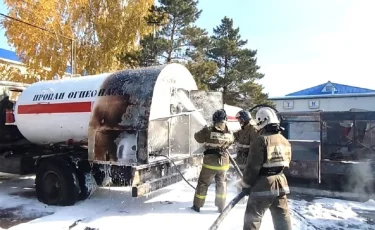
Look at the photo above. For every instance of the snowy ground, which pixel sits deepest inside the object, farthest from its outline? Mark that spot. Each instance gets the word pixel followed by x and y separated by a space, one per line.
pixel 114 208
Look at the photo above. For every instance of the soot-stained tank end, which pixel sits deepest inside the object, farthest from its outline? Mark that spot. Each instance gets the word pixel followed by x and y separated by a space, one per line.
pixel 130 100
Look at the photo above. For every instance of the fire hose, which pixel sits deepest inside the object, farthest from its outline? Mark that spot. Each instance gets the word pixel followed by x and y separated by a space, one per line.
pixel 226 210
pixel 192 186
pixel 229 207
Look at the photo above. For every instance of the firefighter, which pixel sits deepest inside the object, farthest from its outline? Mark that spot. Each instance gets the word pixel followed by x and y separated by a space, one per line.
pixel 269 155
pixel 244 137
pixel 216 139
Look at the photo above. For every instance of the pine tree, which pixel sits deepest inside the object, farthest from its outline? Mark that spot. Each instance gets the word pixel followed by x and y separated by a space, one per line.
pixel 198 64
pixel 173 24
pixel 237 67
pixel 181 15
pixel 151 47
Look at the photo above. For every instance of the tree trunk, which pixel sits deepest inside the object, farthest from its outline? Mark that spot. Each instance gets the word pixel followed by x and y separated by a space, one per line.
pixel 169 58
pixel 225 89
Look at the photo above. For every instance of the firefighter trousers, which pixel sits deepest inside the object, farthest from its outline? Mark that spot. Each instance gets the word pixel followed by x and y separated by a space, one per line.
pixel 241 160
pixel 211 170
pixel 257 206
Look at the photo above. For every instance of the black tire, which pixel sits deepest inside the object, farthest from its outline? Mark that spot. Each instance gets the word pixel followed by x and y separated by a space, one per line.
pixel 65 191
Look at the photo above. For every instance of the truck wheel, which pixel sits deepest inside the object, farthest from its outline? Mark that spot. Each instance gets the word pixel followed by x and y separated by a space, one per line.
pixel 57 184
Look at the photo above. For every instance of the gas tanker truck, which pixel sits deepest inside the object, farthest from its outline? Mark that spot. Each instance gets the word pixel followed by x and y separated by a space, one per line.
pixel 81 132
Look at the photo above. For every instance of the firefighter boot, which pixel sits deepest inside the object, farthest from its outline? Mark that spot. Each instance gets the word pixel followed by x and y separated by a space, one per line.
pixel 195 208
pixel 220 209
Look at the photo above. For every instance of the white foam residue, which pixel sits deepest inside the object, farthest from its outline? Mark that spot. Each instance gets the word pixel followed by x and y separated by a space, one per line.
pixel 113 208
pixel 186 102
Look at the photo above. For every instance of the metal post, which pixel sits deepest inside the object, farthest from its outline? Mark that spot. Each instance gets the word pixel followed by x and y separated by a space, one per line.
pixel 189 129
pixel 169 137
pixel 72 57
pixel 153 46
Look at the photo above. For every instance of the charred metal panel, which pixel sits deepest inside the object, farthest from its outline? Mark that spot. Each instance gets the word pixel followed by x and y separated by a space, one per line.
pixel 336 167
pixel 366 169
pixel 334 116
pixel 305 150
pixel 348 136
pixel 142 150
pixel 124 106
pixel 303 169
pixel 163 173
pixel 154 185
pixel 158 134
pixel 209 102
pixel 353 176
pixel 305 160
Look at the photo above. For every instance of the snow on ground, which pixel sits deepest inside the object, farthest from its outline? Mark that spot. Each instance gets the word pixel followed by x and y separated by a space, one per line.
pixel 114 208
pixel 326 213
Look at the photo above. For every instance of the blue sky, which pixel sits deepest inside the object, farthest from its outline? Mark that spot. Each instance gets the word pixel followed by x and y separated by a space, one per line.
pixel 300 43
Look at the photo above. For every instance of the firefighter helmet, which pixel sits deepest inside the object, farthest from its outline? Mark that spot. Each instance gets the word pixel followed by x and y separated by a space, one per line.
pixel 266 116
pixel 244 116
pixel 219 116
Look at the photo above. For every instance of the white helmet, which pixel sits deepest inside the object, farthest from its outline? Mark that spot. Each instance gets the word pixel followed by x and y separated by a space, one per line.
pixel 266 116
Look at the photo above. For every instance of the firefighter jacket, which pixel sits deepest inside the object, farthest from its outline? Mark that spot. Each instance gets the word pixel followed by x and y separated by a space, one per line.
pixel 269 155
pixel 215 142
pixel 244 137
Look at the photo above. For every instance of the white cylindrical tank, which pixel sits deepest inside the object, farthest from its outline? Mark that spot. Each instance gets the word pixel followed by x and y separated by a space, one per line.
pixel 107 111
pixel 58 110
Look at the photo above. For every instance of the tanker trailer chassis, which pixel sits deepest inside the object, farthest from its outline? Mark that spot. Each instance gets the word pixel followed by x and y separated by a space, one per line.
pixel 65 176
pixel 80 133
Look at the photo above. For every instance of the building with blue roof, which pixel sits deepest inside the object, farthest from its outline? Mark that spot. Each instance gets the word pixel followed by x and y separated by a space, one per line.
pixel 328 96
pixel 330 88
pixel 10 57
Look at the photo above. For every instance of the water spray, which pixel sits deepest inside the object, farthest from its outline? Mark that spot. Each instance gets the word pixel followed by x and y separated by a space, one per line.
pixel 186 102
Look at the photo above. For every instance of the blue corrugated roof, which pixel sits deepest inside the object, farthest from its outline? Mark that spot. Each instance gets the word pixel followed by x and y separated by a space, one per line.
pixel 8 54
pixel 338 89
pixel 11 55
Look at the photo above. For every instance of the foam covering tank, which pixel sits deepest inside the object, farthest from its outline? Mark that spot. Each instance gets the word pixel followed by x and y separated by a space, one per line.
pixel 110 113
